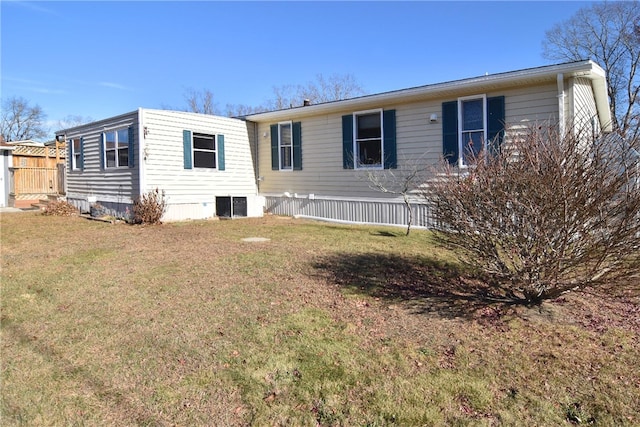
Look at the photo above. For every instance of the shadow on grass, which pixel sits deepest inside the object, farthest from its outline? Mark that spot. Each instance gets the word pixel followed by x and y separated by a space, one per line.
pixel 425 284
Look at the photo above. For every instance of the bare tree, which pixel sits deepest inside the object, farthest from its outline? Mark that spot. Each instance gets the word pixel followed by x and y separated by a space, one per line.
pixel 201 102
pixel 608 33
pixel 71 121
pixel 405 181
pixel 20 121
pixel 334 88
pixel 548 214
pixel 238 110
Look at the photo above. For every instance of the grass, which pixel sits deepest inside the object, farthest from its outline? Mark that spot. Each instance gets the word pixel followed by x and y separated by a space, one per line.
pixel 186 324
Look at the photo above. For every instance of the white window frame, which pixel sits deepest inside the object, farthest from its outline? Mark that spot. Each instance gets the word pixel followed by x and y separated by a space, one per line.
pixel 116 149
pixel 214 151
pixel 356 152
pixel 280 146
pixel 461 148
pixel 75 156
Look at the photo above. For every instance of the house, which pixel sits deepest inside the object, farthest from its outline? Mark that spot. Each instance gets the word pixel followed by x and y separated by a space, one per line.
pixel 31 171
pixel 312 161
pixel 203 163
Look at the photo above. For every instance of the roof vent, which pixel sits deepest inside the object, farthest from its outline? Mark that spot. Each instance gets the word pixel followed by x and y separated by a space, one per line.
pixel 306 102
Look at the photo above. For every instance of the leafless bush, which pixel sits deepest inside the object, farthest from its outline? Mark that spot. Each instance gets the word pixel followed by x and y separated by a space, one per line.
pixel 547 214
pixel 60 208
pixel 149 208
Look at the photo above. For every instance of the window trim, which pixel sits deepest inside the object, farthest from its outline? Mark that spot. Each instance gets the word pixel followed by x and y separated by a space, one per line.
pixel 356 156
pixel 105 150
pixel 485 116
pixel 76 157
pixel 215 150
pixel 280 168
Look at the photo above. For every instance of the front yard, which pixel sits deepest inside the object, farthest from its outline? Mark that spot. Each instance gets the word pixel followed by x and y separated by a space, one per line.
pixel 188 324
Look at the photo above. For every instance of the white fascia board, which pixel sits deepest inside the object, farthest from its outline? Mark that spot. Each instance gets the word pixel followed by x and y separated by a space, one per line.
pixel 586 68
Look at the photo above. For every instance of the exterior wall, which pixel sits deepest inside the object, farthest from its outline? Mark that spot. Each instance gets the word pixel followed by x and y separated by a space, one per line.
pixel 191 193
pixel 583 107
pixel 324 189
pixel 115 188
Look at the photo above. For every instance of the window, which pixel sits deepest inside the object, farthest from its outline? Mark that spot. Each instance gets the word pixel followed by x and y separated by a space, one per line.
pixel 117 148
pixel 204 151
pixel 368 140
pixel 472 129
pixel 471 124
pixel 76 154
pixel 286 146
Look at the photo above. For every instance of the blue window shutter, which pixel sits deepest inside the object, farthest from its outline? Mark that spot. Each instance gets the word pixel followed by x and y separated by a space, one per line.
pixel 81 166
pixel 220 152
pixel 275 158
pixel 495 122
pixel 131 147
pixel 390 150
pixel 297 146
pixel 186 142
pixel 450 131
pixel 101 151
pixel 347 141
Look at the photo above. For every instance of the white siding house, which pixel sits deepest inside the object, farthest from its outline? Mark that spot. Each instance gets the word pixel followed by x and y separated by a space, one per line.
pixel 203 163
pixel 336 144
pixel 313 160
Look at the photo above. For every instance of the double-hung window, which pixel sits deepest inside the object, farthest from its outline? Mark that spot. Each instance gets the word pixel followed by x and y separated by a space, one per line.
pixel 116 148
pixel 368 148
pixel 286 146
pixel 472 127
pixel 204 151
pixel 76 154
pixel 285 142
pixel 369 140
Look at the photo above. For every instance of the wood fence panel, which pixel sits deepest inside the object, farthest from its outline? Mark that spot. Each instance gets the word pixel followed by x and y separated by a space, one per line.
pixel 35 180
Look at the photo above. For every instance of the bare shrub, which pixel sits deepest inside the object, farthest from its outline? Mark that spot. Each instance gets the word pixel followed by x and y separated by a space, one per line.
pixel 149 208
pixel 60 208
pixel 546 214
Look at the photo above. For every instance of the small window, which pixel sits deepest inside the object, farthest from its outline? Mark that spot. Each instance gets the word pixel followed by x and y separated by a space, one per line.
pixel 204 150
pixel 116 148
pixel 76 154
pixel 368 139
pixel 286 146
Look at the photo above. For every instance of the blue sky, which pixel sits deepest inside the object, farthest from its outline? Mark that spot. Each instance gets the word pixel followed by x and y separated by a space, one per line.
pixel 100 59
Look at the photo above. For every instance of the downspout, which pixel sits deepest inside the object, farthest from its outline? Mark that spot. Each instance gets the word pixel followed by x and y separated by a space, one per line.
pixel 256 161
pixel 561 95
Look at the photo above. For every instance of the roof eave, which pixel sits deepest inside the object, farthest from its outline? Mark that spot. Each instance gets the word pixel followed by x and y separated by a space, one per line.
pixel 585 68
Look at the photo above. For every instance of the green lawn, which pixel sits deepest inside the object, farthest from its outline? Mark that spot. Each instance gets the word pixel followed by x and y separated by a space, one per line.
pixel 187 324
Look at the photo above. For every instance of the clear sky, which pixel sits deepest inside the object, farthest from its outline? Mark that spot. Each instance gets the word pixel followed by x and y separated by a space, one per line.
pixel 101 59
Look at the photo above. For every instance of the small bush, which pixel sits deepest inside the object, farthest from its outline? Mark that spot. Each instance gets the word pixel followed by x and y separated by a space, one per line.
pixel 149 208
pixel 60 208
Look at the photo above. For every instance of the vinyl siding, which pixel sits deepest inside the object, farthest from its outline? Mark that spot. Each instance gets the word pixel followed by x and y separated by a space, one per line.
pixel 164 165
pixel 117 185
pixel 417 139
pixel 583 108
